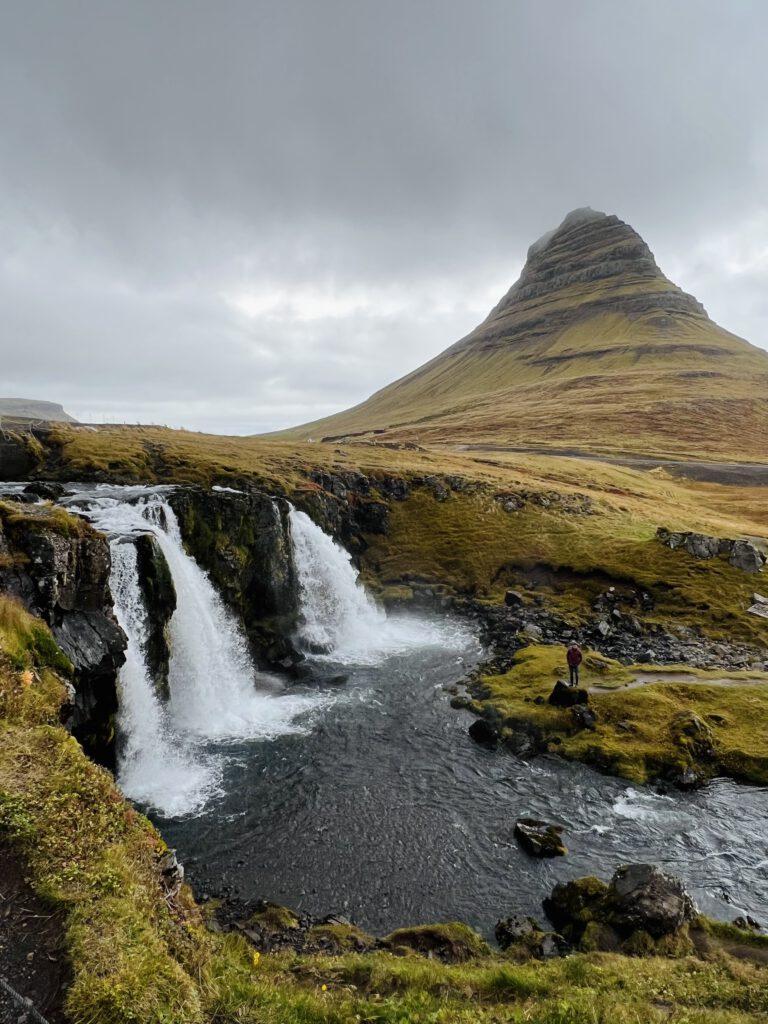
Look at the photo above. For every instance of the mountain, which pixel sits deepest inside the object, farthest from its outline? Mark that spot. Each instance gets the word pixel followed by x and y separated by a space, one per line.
pixel 32 409
pixel 593 347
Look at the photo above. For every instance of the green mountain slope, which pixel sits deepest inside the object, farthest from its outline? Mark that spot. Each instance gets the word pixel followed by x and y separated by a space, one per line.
pixel 592 347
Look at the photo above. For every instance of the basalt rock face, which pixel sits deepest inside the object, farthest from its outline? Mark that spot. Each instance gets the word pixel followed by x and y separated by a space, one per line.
pixel 242 538
pixel 159 593
pixel 60 571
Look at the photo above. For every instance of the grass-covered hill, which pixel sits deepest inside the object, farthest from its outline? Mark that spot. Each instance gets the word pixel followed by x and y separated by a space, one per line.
pixel 593 347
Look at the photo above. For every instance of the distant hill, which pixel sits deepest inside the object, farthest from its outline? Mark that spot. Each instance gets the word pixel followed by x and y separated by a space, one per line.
pixel 31 408
pixel 593 347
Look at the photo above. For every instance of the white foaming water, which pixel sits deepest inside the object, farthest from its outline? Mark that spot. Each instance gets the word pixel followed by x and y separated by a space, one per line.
pixel 212 681
pixel 340 620
pixel 153 767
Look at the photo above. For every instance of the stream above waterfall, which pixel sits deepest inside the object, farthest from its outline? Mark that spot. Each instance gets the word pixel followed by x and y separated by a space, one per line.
pixel 359 791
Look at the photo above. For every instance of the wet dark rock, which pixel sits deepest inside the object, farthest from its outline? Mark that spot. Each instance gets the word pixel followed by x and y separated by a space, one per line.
pixel 49 490
pixel 539 839
pixel 513 599
pixel 62 575
pixel 486 733
pixel 565 696
pixel 644 898
pixel 243 540
pixel 371 517
pixel 156 583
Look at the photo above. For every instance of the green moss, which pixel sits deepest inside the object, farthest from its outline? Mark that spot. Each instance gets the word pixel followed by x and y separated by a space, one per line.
pixel 641 733
pixel 45 516
pixel 340 938
pixel 453 941
pixel 471 543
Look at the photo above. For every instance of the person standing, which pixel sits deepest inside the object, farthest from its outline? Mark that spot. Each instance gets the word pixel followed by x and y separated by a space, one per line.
pixel 575 658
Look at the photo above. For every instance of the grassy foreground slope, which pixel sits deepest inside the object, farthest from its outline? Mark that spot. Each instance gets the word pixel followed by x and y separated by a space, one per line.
pixel 140 953
pixel 592 348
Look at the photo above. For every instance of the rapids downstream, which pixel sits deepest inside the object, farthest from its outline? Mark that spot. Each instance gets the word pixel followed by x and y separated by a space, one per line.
pixel 360 792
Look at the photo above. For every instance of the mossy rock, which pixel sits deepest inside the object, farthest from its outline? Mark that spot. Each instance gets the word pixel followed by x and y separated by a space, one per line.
pixel 599 937
pixel 452 942
pixel 273 918
pixel 337 938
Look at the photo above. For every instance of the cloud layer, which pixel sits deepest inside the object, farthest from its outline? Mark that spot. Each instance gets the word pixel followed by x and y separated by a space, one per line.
pixel 241 216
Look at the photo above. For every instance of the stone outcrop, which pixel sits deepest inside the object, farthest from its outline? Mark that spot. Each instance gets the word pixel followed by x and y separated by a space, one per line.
pixel 242 538
pixel 58 567
pixel 742 554
pixel 159 596
pixel 641 904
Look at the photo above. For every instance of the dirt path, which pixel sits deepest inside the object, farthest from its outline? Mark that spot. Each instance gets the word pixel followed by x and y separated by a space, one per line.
pixel 688 678
pixel 31 958
pixel 739 474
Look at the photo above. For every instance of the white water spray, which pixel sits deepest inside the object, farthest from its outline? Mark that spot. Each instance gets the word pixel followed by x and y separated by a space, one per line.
pixel 164 760
pixel 340 620
pixel 153 767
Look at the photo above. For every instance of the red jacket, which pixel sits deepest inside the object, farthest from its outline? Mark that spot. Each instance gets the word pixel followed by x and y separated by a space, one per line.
pixel 574 657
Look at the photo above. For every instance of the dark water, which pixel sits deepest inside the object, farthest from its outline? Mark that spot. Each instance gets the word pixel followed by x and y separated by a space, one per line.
pixel 385 811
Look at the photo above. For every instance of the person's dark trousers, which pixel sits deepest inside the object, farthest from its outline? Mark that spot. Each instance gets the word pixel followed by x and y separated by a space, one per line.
pixel 574 674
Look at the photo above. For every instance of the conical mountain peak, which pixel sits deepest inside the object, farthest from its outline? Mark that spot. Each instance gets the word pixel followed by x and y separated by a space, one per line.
pixel 591 347
pixel 591 261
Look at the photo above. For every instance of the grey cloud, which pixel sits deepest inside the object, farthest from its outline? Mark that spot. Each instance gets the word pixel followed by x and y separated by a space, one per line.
pixel 157 158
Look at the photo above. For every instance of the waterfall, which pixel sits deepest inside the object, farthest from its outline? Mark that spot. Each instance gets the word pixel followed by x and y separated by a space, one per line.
pixel 165 757
pixel 153 768
pixel 340 621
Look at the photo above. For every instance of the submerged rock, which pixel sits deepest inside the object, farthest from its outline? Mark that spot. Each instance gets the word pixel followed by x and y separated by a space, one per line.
pixel 485 733
pixel 540 839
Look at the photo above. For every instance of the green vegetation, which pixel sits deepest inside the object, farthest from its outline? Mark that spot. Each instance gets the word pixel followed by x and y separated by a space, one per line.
pixel 471 543
pixel 656 730
pixel 46 516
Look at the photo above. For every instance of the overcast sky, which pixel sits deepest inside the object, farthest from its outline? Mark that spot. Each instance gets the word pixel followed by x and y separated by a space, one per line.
pixel 238 215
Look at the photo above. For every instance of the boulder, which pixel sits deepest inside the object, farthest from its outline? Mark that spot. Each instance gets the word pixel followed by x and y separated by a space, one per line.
pixel 646 899
pixel 701 546
pixel 485 733
pixel 565 696
pixel 641 904
pixel 583 717
pixel 49 490
pixel 527 937
pixel 746 556
pixel 539 839
pixel 513 599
